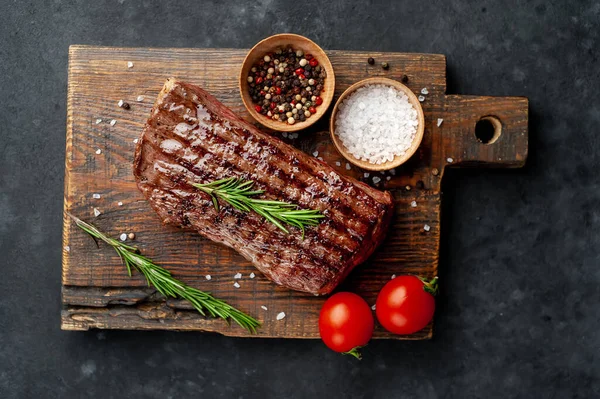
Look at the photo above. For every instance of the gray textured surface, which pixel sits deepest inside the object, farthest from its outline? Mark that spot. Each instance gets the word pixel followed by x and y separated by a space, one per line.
pixel 519 313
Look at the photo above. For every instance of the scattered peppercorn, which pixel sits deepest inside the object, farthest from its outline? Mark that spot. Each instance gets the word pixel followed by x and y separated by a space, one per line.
pixel 371 60
pixel 404 79
pixel 126 106
pixel 283 82
pixel 420 185
pixel 435 171
pixel 385 65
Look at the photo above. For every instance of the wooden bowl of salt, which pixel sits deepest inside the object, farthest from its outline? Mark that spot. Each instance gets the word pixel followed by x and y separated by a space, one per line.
pixel 377 124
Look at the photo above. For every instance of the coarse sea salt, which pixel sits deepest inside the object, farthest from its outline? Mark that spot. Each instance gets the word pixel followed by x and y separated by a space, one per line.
pixel 236 285
pixel 96 196
pixel 252 275
pixel 439 121
pixel 280 315
pixel 376 123
pixel 208 277
pixel 263 307
pixel 97 212
pixel 427 227
pixel 123 237
pixel 238 276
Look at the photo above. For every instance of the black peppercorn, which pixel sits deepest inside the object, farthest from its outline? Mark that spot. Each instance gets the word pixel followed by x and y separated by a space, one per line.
pixel 404 79
pixel 371 60
pixel 385 65
pixel 420 185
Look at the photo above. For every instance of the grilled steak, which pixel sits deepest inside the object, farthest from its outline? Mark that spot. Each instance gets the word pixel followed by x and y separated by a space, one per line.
pixel 192 137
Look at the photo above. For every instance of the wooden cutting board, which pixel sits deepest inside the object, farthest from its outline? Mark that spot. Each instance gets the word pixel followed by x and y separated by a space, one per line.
pixel 98 293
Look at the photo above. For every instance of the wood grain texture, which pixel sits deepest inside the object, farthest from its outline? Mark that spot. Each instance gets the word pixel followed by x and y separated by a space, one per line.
pixel 98 293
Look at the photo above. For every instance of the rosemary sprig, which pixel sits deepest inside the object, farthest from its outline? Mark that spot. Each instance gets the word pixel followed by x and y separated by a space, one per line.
pixel 238 193
pixel 163 281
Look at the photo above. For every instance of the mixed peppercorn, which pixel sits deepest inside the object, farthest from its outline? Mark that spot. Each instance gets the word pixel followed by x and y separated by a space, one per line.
pixel 286 85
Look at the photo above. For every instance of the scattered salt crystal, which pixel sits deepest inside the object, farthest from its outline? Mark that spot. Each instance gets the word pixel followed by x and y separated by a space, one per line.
pixel 263 307
pixel 439 122
pixel 376 179
pixel 135 141
pixel 427 227
pixel 120 203
pixel 98 121
pixel 140 98
pixel 424 91
pixel 374 307
pixel 67 248
pixel 96 196
pixel 208 277
pixel 238 276
pixel 97 212
pixel 236 285
pixel 316 153
pixel 386 126
pixel 98 151
pixel 280 315
pixel 421 98
pixel 393 172
pixel 393 276
pixel 123 237
pixel 252 275
pixel 120 103
pixel 450 160
pixel 413 204
pixel 347 166
pixel 284 134
pixel 129 64
pixel 113 122
pixel 367 174
pixel 388 178
pixel 320 158
pixel 338 163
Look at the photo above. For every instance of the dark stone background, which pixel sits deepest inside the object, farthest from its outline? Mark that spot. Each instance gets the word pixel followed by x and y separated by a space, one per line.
pixel 518 315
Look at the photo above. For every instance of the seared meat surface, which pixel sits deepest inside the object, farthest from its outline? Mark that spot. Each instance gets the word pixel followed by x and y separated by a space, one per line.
pixel 192 137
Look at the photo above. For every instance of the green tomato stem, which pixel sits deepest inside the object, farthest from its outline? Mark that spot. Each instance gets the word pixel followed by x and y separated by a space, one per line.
pixel 354 352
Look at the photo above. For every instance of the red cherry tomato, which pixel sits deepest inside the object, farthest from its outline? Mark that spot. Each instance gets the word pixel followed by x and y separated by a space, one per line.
pixel 406 304
pixel 346 323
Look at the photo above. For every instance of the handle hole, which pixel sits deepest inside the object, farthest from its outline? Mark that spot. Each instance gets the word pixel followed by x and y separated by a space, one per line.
pixel 488 129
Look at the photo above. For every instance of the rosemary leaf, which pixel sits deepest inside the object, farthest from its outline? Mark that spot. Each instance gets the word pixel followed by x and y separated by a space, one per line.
pixel 167 285
pixel 239 194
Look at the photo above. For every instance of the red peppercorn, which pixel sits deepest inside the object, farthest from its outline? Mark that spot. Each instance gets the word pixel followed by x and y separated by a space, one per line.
pixel 262 93
pixel 259 80
pixel 312 110
pixel 258 108
pixel 319 101
pixel 278 90
pixel 301 76
pixel 299 71
pixel 313 62
pixel 308 57
pixel 293 102
pixel 272 105
pixel 281 110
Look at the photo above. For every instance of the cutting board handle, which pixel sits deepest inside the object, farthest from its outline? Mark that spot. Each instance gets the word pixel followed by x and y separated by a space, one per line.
pixel 500 121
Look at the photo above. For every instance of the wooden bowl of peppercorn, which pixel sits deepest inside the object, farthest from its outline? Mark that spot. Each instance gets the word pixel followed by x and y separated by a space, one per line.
pixel 287 82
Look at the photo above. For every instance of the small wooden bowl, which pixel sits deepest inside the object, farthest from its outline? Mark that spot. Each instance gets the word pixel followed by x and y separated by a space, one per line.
pixel 398 160
pixel 297 42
